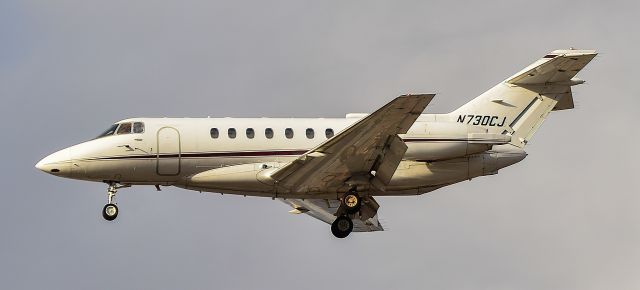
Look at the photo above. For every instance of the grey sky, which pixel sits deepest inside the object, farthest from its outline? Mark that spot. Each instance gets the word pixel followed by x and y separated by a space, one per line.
pixel 567 217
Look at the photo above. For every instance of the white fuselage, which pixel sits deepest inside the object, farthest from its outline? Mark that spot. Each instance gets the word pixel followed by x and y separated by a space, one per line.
pixel 331 168
pixel 168 151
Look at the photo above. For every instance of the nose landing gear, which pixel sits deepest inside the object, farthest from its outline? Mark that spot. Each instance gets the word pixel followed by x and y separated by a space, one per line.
pixel 110 210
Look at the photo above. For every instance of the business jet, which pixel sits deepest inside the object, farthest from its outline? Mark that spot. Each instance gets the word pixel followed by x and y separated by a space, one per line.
pixel 331 168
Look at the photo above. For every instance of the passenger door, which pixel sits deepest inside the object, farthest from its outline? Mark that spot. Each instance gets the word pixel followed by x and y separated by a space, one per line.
pixel 169 154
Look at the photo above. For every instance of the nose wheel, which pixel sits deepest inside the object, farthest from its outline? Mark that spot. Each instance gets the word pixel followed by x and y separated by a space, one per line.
pixel 110 210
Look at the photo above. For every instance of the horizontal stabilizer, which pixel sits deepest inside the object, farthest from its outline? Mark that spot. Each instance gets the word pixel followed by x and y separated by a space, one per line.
pixel 559 66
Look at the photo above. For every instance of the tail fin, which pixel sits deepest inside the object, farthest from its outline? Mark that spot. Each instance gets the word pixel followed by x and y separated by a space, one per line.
pixel 519 105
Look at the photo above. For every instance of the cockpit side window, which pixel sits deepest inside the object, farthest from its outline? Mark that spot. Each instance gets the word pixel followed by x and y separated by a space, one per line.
pixel 125 128
pixel 109 132
pixel 138 127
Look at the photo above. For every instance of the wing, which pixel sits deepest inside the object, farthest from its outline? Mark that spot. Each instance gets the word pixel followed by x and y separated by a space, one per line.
pixel 370 145
pixel 325 209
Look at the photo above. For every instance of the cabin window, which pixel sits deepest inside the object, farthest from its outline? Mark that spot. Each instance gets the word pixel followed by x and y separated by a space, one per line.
pixel 268 133
pixel 288 133
pixel 310 133
pixel 214 133
pixel 138 127
pixel 328 133
pixel 109 132
pixel 232 133
pixel 125 128
pixel 250 133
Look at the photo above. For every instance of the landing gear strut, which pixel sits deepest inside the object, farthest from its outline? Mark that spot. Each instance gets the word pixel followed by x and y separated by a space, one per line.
pixel 110 210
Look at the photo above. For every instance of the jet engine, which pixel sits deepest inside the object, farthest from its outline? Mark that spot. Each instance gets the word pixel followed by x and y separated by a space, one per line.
pixel 443 141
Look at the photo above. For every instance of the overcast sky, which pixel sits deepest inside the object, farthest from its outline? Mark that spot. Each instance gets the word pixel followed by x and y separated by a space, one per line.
pixel 567 217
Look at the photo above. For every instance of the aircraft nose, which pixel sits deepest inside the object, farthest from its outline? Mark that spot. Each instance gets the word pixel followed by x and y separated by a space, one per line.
pixel 58 163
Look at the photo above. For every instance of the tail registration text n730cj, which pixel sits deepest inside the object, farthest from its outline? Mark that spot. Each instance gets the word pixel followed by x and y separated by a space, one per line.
pixel 331 169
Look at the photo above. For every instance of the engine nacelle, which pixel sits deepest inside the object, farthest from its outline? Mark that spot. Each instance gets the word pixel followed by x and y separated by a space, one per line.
pixel 443 141
pixel 420 177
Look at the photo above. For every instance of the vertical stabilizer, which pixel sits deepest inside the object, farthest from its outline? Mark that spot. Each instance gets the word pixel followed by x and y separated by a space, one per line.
pixel 519 105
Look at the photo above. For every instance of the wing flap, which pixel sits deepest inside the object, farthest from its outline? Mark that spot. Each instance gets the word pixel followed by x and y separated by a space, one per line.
pixel 392 156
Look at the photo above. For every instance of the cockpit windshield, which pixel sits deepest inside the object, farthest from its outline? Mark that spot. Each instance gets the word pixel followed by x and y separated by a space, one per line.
pixel 123 128
pixel 109 132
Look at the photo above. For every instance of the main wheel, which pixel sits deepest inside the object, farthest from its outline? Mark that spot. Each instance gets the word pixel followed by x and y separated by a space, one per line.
pixel 110 211
pixel 342 227
pixel 352 202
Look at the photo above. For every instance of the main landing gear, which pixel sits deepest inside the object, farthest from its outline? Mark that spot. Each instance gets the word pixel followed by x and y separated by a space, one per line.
pixel 110 210
pixel 351 202
pixel 343 225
